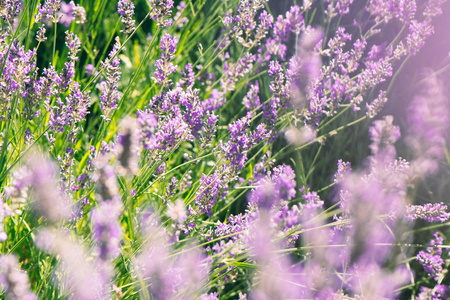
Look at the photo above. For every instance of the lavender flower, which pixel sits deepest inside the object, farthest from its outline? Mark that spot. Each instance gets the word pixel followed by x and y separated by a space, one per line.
pixel 171 132
pixel 10 10
pixel 439 292
pixel 343 167
pixel 235 71
pixel 164 66
pixel 384 134
pixel 241 140
pixel 40 34
pixel 244 22
pixel 276 278
pixel 49 11
pixel 110 95
pixel 187 77
pixel 293 22
pixel 375 72
pixel 251 100
pixel 79 13
pixel 418 32
pixel 387 10
pixel 431 258
pixel 126 9
pixel 436 212
pixel 194 113
pixel 164 278
pixel 377 105
pixel 161 11
pixel 271 190
pixel 210 191
pixel 313 201
pixel 71 113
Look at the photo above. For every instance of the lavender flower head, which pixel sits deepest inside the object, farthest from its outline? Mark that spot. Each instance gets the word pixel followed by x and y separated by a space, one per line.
pixel 164 66
pixel 161 11
pixel 431 259
pixel 436 212
pixel 49 10
pixel 79 13
pixel 384 134
pixel 110 95
pixel 126 10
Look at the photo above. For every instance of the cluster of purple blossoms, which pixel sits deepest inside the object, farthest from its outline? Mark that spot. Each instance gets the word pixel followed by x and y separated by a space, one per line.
pixel 293 22
pixel 70 114
pixel 106 229
pixel 49 10
pixel 110 95
pixel 171 133
pixel 40 34
pixel 251 100
pixel 244 22
pixel 241 141
pixel 234 71
pixel 161 11
pixel 377 105
pixel 439 292
pixel 387 10
pixel 210 191
pixel 125 8
pixel 431 259
pixel 384 134
pixel 429 212
pixel 57 11
pixel 79 13
pixel 17 73
pixel 275 188
pixel 10 10
pixel 164 66
pixel 50 200
pixel 343 167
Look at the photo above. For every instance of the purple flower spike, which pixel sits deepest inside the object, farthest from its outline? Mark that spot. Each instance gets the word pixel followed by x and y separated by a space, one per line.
pixel 125 8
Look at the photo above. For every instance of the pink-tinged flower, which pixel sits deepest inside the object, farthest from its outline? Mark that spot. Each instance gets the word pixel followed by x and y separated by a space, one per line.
pixel 78 276
pixel 13 281
pixel 428 118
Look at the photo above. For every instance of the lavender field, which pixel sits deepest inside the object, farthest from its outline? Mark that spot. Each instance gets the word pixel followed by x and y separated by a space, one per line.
pixel 224 149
